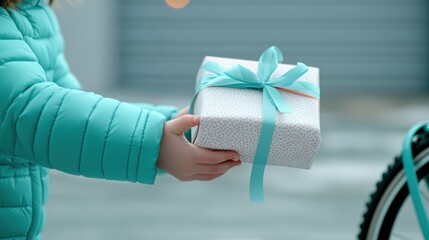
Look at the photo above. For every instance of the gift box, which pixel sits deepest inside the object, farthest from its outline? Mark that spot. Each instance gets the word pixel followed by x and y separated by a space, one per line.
pixel 267 112
pixel 231 118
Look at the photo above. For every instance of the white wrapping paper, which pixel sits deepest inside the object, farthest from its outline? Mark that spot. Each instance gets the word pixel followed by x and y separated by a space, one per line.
pixel 232 119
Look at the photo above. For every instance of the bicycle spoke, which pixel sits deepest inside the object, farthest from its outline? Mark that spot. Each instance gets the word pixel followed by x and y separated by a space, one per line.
pixel 400 236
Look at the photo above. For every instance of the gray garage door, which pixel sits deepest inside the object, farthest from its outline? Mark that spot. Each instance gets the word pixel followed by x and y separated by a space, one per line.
pixel 360 45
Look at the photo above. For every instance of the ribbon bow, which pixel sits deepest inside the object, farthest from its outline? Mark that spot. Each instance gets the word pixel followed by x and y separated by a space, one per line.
pixel 241 77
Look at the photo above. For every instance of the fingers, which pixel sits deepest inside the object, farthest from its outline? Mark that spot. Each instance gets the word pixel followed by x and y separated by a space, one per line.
pixel 215 169
pixel 206 156
pixel 207 172
pixel 210 172
pixel 182 124
pixel 207 177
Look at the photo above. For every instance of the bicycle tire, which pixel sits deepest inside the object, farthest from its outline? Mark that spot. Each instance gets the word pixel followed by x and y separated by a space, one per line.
pixel 378 218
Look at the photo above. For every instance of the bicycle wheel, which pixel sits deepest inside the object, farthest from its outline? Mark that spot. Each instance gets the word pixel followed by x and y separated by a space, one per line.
pixel 390 208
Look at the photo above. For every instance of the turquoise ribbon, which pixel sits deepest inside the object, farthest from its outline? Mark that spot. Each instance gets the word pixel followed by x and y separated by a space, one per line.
pixel 412 180
pixel 241 77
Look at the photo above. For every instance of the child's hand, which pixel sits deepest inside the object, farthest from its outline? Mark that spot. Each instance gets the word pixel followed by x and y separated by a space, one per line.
pixel 187 162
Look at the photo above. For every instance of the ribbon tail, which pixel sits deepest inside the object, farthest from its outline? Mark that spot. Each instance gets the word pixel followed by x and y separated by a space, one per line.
pixel 277 100
pixel 213 67
pixel 306 88
pixel 263 149
pixel 257 183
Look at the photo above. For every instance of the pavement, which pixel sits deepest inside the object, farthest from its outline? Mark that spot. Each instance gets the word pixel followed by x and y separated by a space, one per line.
pixel 360 137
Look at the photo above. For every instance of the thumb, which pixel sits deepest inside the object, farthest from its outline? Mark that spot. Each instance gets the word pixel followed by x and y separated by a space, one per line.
pixel 183 123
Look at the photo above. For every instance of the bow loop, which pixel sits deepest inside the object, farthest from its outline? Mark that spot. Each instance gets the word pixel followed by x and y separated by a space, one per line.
pixel 242 74
pixel 268 62
pixel 290 76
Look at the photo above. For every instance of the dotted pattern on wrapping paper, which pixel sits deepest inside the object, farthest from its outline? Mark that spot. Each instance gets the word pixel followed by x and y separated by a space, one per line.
pixel 231 119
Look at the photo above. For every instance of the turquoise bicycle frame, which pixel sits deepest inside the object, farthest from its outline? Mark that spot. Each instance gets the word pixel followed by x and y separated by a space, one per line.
pixel 412 180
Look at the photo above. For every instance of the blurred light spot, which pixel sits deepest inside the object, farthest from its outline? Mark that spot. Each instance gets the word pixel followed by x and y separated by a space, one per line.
pixel 177 4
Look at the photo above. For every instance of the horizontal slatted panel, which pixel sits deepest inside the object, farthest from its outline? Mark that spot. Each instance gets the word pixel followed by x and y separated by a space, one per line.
pixel 360 46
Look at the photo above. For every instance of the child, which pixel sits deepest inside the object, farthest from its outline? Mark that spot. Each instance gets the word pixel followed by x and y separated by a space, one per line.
pixel 46 122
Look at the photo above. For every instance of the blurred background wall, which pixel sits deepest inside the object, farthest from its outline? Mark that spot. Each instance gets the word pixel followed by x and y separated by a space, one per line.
pixel 90 31
pixel 362 47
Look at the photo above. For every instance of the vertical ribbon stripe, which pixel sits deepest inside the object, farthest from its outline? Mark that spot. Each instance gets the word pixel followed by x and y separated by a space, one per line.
pixel 262 149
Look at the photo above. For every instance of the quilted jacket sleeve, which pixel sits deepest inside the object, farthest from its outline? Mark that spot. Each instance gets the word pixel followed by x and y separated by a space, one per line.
pixel 67 129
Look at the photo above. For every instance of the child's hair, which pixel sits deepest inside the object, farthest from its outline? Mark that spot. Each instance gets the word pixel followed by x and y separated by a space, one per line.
pixel 12 3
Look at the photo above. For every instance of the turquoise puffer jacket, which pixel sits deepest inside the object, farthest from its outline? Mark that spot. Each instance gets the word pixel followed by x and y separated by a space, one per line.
pixel 46 122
